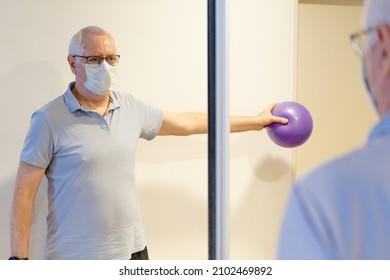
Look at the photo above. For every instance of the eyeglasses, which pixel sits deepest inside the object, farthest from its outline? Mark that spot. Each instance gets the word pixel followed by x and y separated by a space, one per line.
pixel 358 41
pixel 96 60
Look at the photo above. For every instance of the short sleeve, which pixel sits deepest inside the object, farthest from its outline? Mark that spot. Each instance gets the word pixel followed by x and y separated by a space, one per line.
pixel 151 119
pixel 38 147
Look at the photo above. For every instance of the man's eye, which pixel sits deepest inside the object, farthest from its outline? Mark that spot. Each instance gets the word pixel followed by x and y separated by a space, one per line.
pixel 93 59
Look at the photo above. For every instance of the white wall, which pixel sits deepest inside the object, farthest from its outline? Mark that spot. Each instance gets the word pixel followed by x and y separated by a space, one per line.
pixel 330 83
pixel 163 47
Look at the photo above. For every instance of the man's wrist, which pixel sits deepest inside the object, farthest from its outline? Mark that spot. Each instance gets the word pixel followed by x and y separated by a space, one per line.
pixel 13 258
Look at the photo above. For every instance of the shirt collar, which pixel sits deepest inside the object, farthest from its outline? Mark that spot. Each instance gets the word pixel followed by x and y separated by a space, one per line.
pixel 382 128
pixel 73 105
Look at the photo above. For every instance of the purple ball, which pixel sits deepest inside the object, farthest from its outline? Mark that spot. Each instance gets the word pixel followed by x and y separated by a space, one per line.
pixel 296 131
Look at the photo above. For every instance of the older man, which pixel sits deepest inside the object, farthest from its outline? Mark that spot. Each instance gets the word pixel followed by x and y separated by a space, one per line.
pixel 341 210
pixel 84 141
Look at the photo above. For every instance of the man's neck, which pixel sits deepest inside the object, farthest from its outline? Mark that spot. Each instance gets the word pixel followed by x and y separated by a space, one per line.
pixel 91 101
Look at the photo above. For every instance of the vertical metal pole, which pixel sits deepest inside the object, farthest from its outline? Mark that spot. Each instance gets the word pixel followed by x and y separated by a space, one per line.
pixel 219 129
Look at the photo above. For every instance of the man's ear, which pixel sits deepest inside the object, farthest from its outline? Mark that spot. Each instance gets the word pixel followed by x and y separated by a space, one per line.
pixel 383 33
pixel 72 63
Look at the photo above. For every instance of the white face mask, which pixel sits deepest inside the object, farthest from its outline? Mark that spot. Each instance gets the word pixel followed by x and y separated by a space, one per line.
pixel 100 79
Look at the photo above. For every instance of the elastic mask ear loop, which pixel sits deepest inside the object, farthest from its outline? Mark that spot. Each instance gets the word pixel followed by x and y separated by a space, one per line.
pixel 367 84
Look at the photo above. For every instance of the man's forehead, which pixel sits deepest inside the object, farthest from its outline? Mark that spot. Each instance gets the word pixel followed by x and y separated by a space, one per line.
pixel 100 43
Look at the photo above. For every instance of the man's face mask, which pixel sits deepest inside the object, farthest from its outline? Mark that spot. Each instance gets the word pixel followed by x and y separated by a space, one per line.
pixel 100 78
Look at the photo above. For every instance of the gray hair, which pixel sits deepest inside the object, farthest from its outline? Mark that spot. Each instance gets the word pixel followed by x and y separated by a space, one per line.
pixel 376 11
pixel 76 46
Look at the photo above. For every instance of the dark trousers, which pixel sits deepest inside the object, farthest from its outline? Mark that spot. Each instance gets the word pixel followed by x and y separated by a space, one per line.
pixel 141 255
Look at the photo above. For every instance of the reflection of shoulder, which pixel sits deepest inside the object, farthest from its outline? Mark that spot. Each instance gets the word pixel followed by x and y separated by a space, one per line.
pixel 128 99
pixel 53 105
pixel 53 113
pixel 122 96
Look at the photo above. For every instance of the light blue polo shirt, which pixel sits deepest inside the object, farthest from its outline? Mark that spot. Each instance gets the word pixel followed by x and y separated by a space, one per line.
pixel 93 210
pixel 341 209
